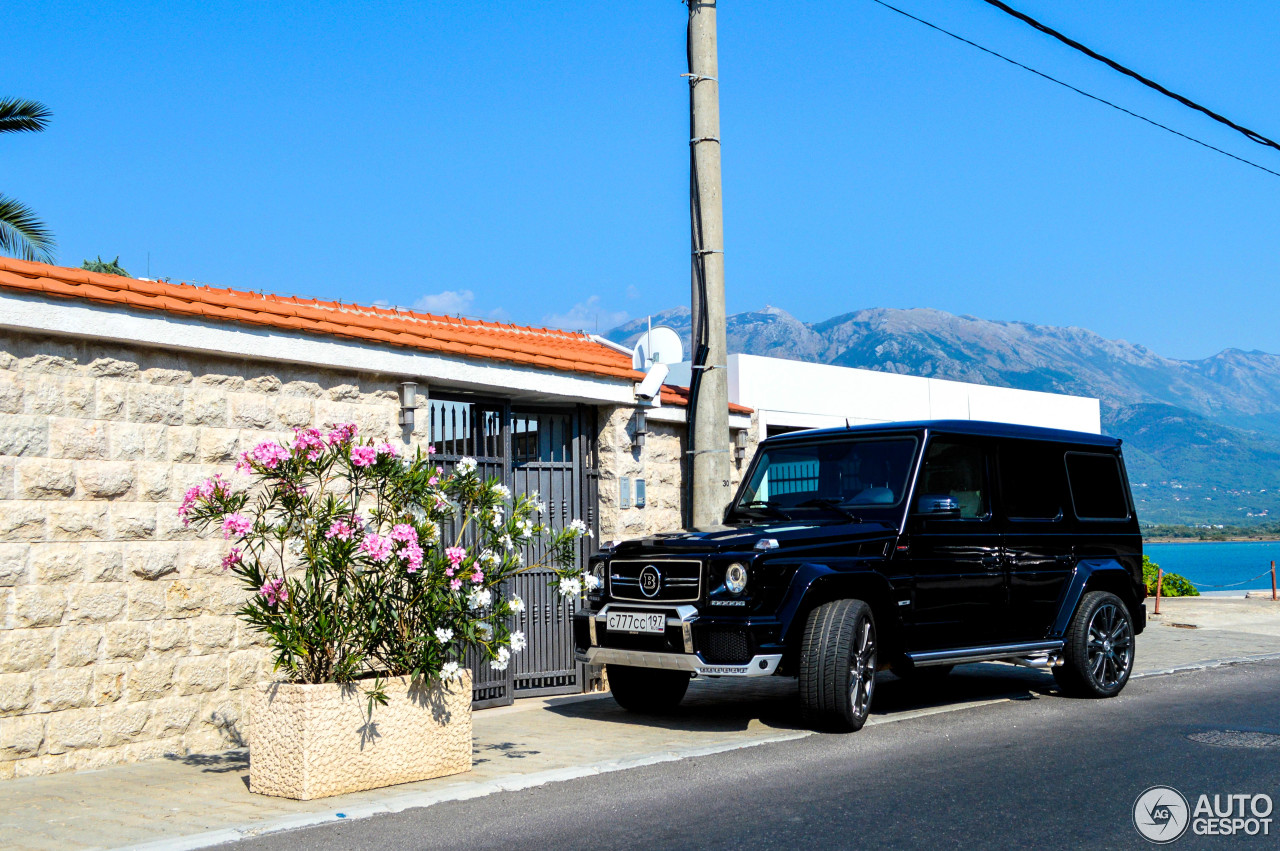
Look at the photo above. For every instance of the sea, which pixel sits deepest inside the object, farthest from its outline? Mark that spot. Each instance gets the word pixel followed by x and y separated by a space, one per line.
pixel 1228 568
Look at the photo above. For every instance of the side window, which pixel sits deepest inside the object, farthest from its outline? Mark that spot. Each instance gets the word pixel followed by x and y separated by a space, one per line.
pixel 1097 489
pixel 1033 483
pixel 957 470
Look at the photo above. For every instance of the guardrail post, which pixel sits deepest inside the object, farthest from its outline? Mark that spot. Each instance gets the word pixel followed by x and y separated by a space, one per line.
pixel 1273 580
pixel 1159 586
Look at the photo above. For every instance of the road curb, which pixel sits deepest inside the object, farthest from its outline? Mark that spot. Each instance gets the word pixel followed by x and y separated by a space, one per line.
pixel 1206 665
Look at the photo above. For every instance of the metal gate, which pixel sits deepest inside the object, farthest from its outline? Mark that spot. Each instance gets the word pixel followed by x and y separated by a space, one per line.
pixel 552 452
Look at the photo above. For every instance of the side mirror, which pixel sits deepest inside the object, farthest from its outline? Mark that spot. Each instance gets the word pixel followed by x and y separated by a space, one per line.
pixel 937 505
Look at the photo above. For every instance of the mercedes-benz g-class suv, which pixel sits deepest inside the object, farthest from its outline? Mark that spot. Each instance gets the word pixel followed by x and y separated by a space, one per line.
pixel 908 546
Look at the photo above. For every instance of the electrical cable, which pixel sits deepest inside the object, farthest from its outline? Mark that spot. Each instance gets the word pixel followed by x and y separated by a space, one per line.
pixel 1076 90
pixel 1111 63
pixel 700 331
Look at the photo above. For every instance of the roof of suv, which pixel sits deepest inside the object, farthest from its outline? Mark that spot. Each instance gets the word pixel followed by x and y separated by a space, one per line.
pixel 967 427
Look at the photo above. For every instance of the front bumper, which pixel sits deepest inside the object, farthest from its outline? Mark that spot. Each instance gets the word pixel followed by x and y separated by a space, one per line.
pixel 759 666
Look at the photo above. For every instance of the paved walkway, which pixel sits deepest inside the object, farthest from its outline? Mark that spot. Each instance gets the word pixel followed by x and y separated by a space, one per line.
pixel 202 800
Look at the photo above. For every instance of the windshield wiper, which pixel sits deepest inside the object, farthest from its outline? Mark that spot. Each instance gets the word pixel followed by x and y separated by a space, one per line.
pixel 834 505
pixel 759 507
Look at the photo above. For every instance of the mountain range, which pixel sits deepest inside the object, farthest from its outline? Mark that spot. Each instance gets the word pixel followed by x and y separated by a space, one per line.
pixel 1202 437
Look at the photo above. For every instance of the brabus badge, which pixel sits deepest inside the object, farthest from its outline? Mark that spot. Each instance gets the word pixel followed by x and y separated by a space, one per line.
pixel 650 581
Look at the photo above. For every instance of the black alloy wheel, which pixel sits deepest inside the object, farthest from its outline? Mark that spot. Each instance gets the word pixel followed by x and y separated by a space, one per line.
pixel 838 662
pixel 1099 647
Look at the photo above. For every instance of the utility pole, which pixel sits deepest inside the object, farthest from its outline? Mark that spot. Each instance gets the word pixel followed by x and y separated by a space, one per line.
pixel 708 446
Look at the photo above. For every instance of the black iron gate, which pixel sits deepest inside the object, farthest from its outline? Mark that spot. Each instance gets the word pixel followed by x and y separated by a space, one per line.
pixel 550 451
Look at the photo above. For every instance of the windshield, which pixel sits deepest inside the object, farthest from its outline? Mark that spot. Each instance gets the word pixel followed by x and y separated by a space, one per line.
pixel 849 477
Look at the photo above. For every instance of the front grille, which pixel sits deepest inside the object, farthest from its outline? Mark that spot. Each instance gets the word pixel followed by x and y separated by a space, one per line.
pixel 725 646
pixel 678 581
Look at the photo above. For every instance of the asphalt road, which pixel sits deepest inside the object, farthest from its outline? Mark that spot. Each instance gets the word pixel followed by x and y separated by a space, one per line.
pixel 1044 772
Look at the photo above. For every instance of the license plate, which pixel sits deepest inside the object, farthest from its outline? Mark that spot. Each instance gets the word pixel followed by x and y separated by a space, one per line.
pixel 650 622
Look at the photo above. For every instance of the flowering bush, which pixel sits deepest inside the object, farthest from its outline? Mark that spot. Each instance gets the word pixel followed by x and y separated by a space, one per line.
pixel 363 563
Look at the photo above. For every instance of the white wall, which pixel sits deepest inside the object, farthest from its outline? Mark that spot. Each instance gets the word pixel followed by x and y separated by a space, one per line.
pixel 810 395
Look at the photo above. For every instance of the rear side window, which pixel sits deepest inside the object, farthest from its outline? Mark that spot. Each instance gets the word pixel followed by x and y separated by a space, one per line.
pixel 1097 489
pixel 1033 482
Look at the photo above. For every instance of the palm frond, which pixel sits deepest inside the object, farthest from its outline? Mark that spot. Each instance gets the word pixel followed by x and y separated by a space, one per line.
pixel 22 234
pixel 17 114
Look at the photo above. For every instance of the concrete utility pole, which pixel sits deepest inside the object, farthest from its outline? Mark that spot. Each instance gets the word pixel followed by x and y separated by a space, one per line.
pixel 709 406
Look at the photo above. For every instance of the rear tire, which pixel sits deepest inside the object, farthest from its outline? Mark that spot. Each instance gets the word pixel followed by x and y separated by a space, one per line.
pixel 838 666
pixel 651 691
pixel 1099 649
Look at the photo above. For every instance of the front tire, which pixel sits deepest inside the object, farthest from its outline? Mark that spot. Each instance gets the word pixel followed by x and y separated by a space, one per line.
pixel 838 666
pixel 650 691
pixel 1099 648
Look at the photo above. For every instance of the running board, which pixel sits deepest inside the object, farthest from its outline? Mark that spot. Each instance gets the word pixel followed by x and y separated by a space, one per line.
pixel 990 653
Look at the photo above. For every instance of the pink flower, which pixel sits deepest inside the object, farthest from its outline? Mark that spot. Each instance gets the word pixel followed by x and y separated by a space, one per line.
pixel 308 442
pixel 342 433
pixel 413 557
pixel 434 480
pixel 431 450
pixel 388 449
pixel 363 456
pixel 267 454
pixel 376 547
pixel 404 533
pixel 455 584
pixel 274 591
pixel 448 571
pixel 204 491
pixel 477 577
pixel 340 529
pixel 231 559
pixel 456 555
pixel 236 524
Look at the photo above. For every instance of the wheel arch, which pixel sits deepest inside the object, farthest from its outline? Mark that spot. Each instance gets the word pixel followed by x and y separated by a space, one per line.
pixel 1098 575
pixel 815 585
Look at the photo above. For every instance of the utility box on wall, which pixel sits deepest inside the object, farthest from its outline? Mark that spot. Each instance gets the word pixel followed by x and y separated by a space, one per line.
pixel 624 491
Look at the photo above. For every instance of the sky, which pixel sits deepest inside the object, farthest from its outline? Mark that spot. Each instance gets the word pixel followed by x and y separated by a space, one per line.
pixel 528 162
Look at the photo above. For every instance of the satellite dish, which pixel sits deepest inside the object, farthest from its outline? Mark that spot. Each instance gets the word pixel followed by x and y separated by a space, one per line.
pixel 657 345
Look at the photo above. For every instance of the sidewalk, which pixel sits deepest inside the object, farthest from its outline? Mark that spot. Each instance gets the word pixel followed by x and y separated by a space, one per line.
pixel 202 800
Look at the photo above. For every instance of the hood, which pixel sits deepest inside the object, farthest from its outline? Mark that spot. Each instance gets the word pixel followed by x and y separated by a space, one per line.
pixel 788 533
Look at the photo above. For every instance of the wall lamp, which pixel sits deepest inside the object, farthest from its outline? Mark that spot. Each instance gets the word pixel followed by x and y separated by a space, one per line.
pixel 408 404
pixel 740 445
pixel 641 428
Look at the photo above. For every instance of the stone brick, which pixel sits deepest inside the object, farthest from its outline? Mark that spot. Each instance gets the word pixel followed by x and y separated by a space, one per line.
pixel 113 368
pixel 253 412
pixel 294 412
pixel 10 393
pixel 42 766
pixel 97 603
pixel 155 482
pixel 7 475
pixel 78 728
pixel 43 478
pixel 303 389
pixel 59 397
pixel 77 521
pixel 152 561
pixel 21 737
pixel 183 444
pixel 184 601
pixel 35 606
pixel 78 439
pixel 146 600
pixel 17 691
pixel 218 445
pixel 134 521
pixel 22 521
pixel 206 407
pixel 109 400
pixel 25 649
pixel 22 435
pixel 103 562
pixel 172 716
pixel 127 640
pixel 138 441
pixel 344 393
pixel 202 674
pixel 168 377
pixel 54 358
pixel 13 564
pixel 124 724
pixel 169 635
pixel 53 563
pixel 154 404
pixel 64 689
pixel 226 383
pixel 108 684
pixel 105 480
pixel 215 635
pixel 203 558
pixel 78 646
pixel 149 680
pixel 263 384
pixel 248 667
pixel 169 526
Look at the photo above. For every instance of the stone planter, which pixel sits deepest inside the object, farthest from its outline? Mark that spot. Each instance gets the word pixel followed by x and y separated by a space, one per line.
pixel 313 741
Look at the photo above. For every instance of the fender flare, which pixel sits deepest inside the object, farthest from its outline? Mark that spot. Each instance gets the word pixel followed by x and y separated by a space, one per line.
pixel 1085 570
pixel 812 579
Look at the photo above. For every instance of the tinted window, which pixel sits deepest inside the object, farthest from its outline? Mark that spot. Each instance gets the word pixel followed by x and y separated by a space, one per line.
pixel 957 470
pixel 1097 490
pixel 870 473
pixel 1033 483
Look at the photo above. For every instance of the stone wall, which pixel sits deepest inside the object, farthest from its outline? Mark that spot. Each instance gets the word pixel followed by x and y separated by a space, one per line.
pixel 119 637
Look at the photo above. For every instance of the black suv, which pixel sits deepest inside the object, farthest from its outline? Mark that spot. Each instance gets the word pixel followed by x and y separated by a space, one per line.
pixel 908 546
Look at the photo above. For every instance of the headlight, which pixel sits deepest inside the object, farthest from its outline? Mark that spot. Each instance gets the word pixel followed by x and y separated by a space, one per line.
pixel 735 579
pixel 595 580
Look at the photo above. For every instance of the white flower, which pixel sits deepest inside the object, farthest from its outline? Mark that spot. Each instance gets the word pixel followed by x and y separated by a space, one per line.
pixel 517 641
pixel 416 512
pixel 579 529
pixel 479 599
pixel 502 491
pixel 450 671
pixel 517 605
pixel 496 521
pixel 295 547
pixel 484 630
pixel 465 466
pixel 539 506
pixel 432 530
pixel 571 586
pixel 489 558
pixel 507 543
pixel 525 527
pixel 504 657
pixel 444 635
pixel 591 581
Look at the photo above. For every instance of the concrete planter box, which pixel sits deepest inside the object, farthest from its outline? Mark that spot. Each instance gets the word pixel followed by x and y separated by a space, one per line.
pixel 313 741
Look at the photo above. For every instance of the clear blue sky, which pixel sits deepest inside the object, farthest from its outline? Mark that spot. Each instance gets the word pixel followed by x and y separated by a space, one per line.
pixel 529 160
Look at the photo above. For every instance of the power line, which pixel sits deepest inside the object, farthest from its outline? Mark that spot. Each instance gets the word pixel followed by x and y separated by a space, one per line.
pixel 1128 72
pixel 1076 90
